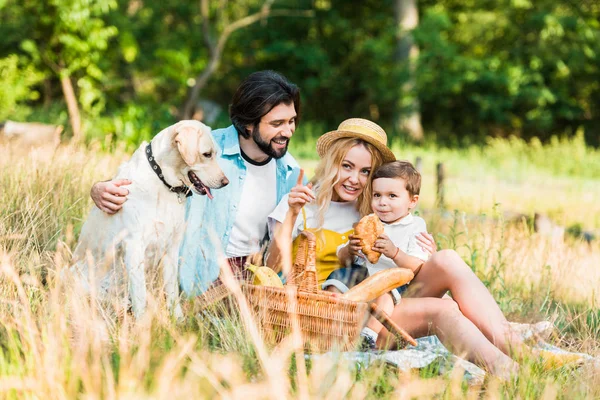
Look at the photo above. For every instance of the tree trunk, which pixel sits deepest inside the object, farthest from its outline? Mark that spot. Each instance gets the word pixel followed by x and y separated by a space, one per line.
pixel 72 106
pixel 202 80
pixel 47 88
pixel 409 116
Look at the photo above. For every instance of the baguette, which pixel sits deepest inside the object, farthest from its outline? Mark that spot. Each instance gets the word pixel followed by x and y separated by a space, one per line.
pixel 378 284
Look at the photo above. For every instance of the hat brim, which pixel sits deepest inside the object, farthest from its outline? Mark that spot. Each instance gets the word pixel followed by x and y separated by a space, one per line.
pixel 325 141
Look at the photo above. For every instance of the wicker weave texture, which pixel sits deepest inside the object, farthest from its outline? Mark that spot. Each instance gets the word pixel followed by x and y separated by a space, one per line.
pixel 326 322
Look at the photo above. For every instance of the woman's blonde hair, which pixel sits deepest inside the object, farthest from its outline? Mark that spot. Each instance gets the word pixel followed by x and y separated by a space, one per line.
pixel 327 175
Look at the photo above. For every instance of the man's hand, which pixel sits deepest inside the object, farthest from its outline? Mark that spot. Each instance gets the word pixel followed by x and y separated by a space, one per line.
pixel 110 196
pixel 300 194
pixel 384 245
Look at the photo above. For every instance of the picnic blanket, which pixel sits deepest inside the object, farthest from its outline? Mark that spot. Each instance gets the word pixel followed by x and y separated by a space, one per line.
pixel 429 349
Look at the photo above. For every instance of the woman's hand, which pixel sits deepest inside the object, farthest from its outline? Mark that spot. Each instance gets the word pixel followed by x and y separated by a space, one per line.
pixel 354 245
pixel 426 242
pixel 110 196
pixel 300 194
pixel 384 245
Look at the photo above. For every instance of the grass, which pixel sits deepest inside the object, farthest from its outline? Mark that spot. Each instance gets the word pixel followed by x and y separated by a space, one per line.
pixel 56 344
pixel 559 179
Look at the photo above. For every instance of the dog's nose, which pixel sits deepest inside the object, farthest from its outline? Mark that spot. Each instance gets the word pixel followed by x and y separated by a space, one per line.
pixel 224 181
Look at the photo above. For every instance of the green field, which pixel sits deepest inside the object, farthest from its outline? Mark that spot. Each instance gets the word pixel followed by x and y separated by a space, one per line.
pixel 56 345
pixel 559 179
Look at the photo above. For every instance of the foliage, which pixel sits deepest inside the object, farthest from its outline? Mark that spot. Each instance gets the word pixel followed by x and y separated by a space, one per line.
pixel 130 125
pixel 512 158
pixel 496 68
pixel 64 39
pixel 17 82
pixel 505 67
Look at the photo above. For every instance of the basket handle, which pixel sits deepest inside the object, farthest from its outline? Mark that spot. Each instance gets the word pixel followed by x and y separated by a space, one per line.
pixel 391 326
pixel 305 271
pixel 300 261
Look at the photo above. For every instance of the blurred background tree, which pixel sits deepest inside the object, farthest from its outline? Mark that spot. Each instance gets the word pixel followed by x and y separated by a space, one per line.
pixel 491 68
pixel 65 40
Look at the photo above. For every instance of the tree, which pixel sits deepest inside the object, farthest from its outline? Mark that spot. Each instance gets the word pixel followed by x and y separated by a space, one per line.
pixel 407 52
pixel 69 38
pixel 216 31
pixel 509 68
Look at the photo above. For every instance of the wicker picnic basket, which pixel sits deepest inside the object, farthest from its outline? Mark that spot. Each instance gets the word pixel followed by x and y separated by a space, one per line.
pixel 326 321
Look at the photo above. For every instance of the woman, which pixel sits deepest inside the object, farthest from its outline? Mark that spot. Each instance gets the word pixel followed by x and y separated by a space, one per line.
pixel 339 194
pixel 470 323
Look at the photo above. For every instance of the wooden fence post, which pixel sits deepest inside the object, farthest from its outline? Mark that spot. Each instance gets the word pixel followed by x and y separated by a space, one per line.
pixel 441 174
pixel 418 163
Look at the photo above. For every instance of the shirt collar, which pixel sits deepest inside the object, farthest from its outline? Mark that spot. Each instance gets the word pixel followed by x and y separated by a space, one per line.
pixel 343 204
pixel 404 221
pixel 231 147
pixel 231 142
pixel 251 161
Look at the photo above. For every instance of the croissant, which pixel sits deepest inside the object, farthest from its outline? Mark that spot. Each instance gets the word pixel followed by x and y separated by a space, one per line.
pixel 368 229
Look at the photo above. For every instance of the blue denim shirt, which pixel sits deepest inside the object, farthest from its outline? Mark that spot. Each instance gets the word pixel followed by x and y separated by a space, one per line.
pixel 209 222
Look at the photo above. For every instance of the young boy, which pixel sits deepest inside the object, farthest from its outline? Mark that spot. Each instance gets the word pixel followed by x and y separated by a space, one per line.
pixel 396 188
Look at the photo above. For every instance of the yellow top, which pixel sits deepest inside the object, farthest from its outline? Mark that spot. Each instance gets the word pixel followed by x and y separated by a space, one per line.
pixel 327 242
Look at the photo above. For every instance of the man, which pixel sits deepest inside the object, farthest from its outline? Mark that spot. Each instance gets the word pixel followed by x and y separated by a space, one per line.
pixel 264 112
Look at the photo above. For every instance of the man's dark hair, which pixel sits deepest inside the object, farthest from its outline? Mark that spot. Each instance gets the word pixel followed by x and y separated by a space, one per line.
pixel 258 94
pixel 404 170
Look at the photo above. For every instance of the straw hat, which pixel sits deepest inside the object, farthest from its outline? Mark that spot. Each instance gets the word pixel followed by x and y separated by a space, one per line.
pixel 358 128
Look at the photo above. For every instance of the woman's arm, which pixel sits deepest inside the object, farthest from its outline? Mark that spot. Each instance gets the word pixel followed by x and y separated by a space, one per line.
pixel 279 252
pixel 426 242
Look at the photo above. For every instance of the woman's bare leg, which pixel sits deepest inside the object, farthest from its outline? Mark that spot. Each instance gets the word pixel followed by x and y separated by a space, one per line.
pixel 333 289
pixel 446 271
pixel 427 316
pixel 386 304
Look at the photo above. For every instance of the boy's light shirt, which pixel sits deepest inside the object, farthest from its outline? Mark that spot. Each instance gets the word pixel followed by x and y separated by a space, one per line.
pixel 209 222
pixel 403 234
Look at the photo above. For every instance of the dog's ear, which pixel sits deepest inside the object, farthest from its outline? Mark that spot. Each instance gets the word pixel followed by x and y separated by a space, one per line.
pixel 186 138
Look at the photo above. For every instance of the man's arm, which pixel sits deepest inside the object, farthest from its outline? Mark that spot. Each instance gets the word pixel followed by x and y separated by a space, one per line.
pixel 109 196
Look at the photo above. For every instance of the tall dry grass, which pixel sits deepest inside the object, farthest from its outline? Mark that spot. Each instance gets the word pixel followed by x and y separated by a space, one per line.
pixel 56 343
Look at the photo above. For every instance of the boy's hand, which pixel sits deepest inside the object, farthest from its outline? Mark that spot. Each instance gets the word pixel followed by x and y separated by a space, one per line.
pixel 300 194
pixel 384 245
pixel 354 245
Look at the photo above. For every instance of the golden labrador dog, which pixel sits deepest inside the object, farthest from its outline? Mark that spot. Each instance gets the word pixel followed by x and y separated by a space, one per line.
pixel 147 232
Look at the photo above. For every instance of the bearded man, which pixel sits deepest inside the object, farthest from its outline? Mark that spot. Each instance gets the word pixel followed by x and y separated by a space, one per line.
pixel 264 114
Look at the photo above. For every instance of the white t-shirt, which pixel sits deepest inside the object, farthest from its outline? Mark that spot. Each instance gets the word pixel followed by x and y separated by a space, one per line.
pixel 258 199
pixel 340 217
pixel 403 234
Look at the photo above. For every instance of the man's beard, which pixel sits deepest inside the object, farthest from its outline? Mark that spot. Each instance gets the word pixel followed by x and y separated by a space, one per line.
pixel 266 146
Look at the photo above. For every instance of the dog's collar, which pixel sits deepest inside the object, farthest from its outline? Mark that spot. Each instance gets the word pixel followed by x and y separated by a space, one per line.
pixel 183 189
